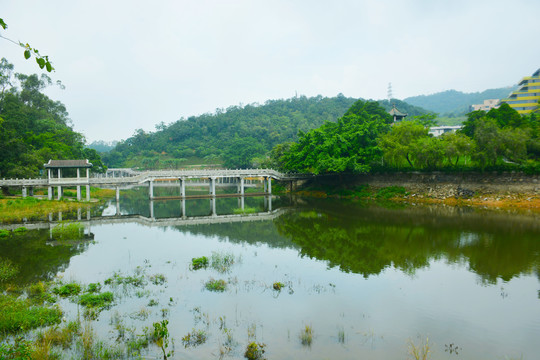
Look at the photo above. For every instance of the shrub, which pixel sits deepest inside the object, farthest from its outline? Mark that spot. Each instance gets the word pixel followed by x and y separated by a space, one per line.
pixel 67 290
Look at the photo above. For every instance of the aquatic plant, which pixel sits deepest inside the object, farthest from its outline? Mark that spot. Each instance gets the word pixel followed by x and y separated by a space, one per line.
pixel 278 285
pixel 255 351
pixel 21 349
pixel 306 335
pixel 22 314
pixel 7 270
pixel 421 351
pixel 4 233
pixel 161 337
pixel 20 230
pixel 216 285
pixel 101 301
pixel 245 210
pixel 68 231
pixel 341 336
pixel 194 338
pixel 93 288
pixel 199 263
pixel 66 290
pixel 390 192
pixel 222 262
pixel 118 279
pixel 158 279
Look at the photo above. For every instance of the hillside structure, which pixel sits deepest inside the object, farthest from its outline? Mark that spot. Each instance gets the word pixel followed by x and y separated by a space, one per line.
pixel 60 165
pixel 396 114
pixel 487 105
pixel 526 98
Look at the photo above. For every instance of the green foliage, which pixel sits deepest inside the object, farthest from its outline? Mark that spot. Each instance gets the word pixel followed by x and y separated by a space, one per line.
pixel 348 145
pixel 93 288
pixel 199 263
pixel 306 335
pixel 34 127
pixel 255 351
pixel 216 285
pixel 19 315
pixel 136 280
pixel 222 262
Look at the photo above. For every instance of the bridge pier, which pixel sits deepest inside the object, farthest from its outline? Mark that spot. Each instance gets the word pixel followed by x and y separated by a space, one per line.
pixel 182 187
pixel 151 189
pixel 213 207
pixel 241 203
pixel 241 185
pixel 183 209
pixel 212 186
pixel 23 191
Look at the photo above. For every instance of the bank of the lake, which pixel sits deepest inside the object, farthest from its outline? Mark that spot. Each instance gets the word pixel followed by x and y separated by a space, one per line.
pixel 507 190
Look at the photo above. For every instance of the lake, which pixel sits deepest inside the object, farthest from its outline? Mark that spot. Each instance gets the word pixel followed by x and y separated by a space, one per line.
pixel 358 280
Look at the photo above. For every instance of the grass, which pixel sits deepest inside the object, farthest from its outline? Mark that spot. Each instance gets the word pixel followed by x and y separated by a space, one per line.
pixel 7 270
pixel 245 210
pixel 21 314
pixel 158 279
pixel 216 285
pixel 390 192
pixel 306 336
pixel 118 279
pixel 4 233
pixel 68 231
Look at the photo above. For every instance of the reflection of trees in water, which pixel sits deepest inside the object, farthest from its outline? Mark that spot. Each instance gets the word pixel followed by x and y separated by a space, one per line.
pixel 35 257
pixel 366 240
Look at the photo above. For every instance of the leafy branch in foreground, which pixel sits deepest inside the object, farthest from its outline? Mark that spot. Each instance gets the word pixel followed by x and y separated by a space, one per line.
pixel 41 60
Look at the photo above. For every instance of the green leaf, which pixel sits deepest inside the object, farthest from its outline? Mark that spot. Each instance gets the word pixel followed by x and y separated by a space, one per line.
pixel 40 62
pixel 27 54
pixel 48 66
pixel 3 24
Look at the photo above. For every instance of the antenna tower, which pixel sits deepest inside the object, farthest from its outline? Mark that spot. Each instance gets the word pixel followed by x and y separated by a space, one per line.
pixel 389 94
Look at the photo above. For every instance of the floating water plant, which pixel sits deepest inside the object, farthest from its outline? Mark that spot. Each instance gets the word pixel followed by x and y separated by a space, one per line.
pixel 194 338
pixel 66 290
pixel 102 300
pixel 216 285
pixel 306 335
pixel 278 286
pixel 222 262
pixel 255 351
pixel 158 279
pixel 199 263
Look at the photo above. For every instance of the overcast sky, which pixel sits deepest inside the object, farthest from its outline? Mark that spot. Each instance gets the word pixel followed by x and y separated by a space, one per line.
pixel 133 64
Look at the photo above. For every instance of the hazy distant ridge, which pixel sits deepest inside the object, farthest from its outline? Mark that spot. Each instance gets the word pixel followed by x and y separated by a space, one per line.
pixel 456 102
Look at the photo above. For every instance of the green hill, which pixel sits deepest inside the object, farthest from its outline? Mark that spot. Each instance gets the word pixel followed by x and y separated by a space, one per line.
pixel 239 136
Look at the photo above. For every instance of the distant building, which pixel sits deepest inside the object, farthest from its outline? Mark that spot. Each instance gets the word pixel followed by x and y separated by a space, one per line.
pixel 396 114
pixel 439 130
pixel 487 105
pixel 525 98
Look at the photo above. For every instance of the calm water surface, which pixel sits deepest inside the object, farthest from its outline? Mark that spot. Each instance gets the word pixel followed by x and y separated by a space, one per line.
pixel 367 279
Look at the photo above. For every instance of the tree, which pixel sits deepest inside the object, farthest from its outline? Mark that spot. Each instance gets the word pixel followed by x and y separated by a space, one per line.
pixel 456 145
pixel 398 145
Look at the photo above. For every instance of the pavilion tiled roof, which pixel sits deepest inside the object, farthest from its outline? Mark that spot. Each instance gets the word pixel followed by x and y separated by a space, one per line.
pixel 396 112
pixel 68 164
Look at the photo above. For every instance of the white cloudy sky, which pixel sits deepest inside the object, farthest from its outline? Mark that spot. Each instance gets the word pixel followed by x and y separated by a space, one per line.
pixel 132 64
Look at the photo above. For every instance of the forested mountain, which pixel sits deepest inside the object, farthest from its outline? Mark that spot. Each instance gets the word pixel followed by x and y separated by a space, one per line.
pixel 234 137
pixel 456 102
pixel 34 128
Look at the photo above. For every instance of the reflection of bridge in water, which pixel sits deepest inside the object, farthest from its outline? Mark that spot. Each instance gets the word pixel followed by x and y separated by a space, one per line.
pixel 84 217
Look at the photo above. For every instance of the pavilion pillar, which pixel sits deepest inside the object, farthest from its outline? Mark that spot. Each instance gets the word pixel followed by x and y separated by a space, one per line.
pixel 151 209
pixel 50 192
pixel 87 192
pixel 60 193
pixel 241 203
pixel 24 191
